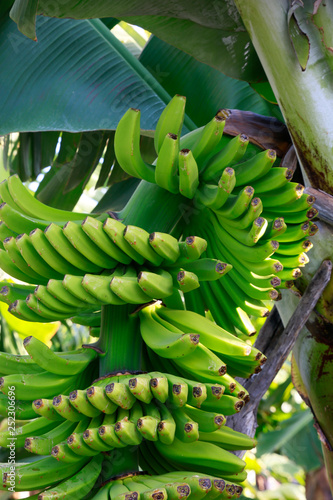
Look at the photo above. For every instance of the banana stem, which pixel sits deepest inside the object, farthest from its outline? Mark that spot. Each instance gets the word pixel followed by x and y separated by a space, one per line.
pixel 120 340
pixel 155 209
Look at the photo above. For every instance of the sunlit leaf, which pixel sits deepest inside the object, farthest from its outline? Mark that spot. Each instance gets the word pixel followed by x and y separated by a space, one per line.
pixel 41 331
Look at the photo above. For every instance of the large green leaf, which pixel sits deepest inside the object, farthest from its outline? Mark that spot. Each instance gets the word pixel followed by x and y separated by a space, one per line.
pixel 205 88
pixel 210 30
pixel 78 76
pixel 275 440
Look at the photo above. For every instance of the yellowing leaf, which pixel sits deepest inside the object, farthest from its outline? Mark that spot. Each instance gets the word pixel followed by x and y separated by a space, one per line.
pixel 41 331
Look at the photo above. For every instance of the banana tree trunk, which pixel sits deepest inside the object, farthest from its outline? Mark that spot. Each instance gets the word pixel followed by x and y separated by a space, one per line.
pixel 304 95
pixel 302 83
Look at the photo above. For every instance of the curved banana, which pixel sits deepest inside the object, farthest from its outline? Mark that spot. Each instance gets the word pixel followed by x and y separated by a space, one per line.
pixel 127 147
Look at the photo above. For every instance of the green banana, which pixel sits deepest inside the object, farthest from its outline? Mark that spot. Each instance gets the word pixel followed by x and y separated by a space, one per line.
pixel 116 489
pixel 140 387
pixel 159 386
pixel 303 202
pixel 57 290
pixel 292 217
pixel 73 285
pixel 33 259
pixel 295 248
pixel 36 427
pixel 11 291
pixel 200 454
pixel 139 238
pixel 186 281
pixel 79 400
pixel 250 254
pixel 209 137
pixel 276 178
pixel 250 236
pixel 125 427
pixel 178 390
pixel 94 229
pixel 203 364
pixel 166 429
pixel 290 198
pixel 129 290
pixel 81 242
pixel 275 229
pixel 165 342
pixel 215 196
pixel 33 207
pixel 170 120
pixel 207 421
pixel 211 335
pixel 12 364
pixel 119 393
pixel 107 434
pixel 197 393
pixel 115 230
pixel 92 438
pixel 167 164
pixel 254 210
pixel 99 288
pixel 147 426
pixel 199 486
pixel 226 404
pixel 187 429
pixel 61 244
pixel 165 245
pixel 188 173
pixel 47 252
pixel 190 249
pixel 37 385
pixel 61 405
pixel 43 444
pixel 23 409
pixel 67 364
pixel 228 439
pixel 293 261
pixel 44 407
pixel 20 222
pixel 236 205
pixel 208 269
pixel 98 399
pixel 18 262
pixel 6 197
pixel 157 285
pixel 44 312
pixel 127 147
pixel 231 153
pixel 20 310
pixel 63 453
pixel 75 441
pixel 41 473
pixel 254 168
pixel 77 486
pixel 5 232
pixel 47 299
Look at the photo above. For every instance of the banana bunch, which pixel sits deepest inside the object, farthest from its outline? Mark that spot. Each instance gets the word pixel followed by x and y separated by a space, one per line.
pixel 83 294
pixel 63 480
pixel 246 209
pixel 188 344
pixel 34 252
pixel 169 485
pixel 76 421
pixel 159 412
